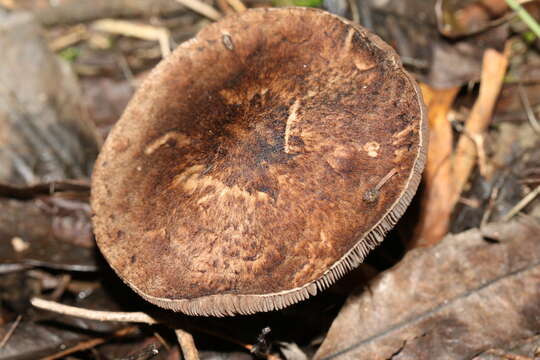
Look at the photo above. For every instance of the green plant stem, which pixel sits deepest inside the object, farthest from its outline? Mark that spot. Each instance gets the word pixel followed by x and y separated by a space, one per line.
pixel 525 16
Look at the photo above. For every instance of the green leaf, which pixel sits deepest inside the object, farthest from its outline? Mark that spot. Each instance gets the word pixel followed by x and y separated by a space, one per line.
pixel 304 3
pixel 70 54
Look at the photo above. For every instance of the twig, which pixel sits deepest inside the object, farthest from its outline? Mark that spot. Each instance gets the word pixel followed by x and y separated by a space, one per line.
pixel 237 5
pixel 146 353
pixel 187 345
pixel 224 7
pixel 472 203
pixel 61 287
pixel 201 8
pixel 73 36
pixel 528 109
pixel 493 70
pixel 76 12
pixel 355 12
pixel 10 331
pixel 134 317
pixel 478 141
pixel 162 341
pixel 184 338
pixel 126 70
pixel 141 31
pixel 522 203
pixel 89 344
pixel 525 16
pixel 491 204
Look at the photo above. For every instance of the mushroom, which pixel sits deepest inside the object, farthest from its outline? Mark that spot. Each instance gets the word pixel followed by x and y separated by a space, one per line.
pixel 258 163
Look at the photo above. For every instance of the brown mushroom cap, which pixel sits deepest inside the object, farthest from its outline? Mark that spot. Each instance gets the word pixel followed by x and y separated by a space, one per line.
pixel 243 175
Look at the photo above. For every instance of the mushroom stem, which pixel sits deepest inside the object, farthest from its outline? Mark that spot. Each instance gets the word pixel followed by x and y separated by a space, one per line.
pixel 187 345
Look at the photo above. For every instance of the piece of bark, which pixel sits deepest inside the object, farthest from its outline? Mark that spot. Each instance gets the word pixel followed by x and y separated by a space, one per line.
pixel 43 134
pixel 450 301
pixel 437 182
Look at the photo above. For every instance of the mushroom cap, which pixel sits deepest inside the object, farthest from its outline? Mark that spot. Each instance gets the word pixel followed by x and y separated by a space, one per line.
pixel 258 163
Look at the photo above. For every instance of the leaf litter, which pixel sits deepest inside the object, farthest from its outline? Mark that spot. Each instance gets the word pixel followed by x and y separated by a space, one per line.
pixel 471 295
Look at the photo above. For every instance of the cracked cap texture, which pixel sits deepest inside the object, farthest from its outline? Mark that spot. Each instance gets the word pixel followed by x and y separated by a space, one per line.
pixel 236 180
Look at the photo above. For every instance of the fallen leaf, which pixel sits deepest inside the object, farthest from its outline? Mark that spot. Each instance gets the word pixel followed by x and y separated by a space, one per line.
pixel 40 233
pixel 450 301
pixel 526 349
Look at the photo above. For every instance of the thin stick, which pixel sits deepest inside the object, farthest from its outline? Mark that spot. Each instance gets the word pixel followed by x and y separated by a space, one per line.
pixel 162 341
pixel 187 345
pixel 89 344
pixel 237 5
pixel 465 156
pixel 355 12
pixel 141 31
pixel 522 203
pixel 61 287
pixel 224 7
pixel 201 8
pixel 491 204
pixel 10 331
pixel 528 109
pixel 76 34
pixel 134 317
pixel 184 338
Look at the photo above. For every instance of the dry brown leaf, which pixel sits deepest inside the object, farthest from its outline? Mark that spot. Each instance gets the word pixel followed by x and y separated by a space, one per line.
pixel 524 349
pixel 450 301
pixel 41 233
pixel 437 179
